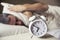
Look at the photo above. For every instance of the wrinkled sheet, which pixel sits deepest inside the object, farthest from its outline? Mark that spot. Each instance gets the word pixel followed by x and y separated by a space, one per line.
pixel 25 36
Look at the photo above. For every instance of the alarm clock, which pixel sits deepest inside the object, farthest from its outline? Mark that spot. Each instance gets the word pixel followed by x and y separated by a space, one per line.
pixel 38 26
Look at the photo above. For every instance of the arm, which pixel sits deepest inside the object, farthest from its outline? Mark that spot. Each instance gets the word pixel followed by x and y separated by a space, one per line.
pixel 33 7
pixel 37 7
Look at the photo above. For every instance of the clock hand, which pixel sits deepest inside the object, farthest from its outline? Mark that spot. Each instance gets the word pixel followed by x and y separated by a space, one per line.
pixel 36 27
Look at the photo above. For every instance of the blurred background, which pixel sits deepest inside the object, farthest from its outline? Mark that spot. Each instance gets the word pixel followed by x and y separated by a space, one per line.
pixel 51 2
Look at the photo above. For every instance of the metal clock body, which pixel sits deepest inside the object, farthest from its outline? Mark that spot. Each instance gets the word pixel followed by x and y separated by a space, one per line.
pixel 38 27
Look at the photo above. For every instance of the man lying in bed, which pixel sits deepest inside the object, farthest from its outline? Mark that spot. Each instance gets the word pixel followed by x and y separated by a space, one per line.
pixel 36 7
pixel 12 20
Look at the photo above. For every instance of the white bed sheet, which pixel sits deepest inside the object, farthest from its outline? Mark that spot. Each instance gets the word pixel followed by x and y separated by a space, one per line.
pixel 6 30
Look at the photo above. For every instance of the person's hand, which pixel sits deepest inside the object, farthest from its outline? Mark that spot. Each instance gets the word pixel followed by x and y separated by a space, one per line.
pixel 28 14
pixel 17 8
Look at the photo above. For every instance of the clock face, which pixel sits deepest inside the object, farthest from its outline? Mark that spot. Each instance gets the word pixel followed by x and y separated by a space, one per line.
pixel 38 28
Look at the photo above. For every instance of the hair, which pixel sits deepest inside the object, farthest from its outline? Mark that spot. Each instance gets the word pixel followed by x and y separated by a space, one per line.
pixel 3 19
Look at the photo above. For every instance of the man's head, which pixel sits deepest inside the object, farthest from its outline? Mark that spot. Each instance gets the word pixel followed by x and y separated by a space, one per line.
pixel 14 21
pixel 10 19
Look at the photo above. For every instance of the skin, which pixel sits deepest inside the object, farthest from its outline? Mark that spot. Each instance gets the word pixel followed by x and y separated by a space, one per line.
pixel 33 7
pixel 12 20
pixel 28 14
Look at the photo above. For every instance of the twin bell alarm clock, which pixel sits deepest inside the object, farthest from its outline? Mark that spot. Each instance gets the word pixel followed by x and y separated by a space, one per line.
pixel 38 26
